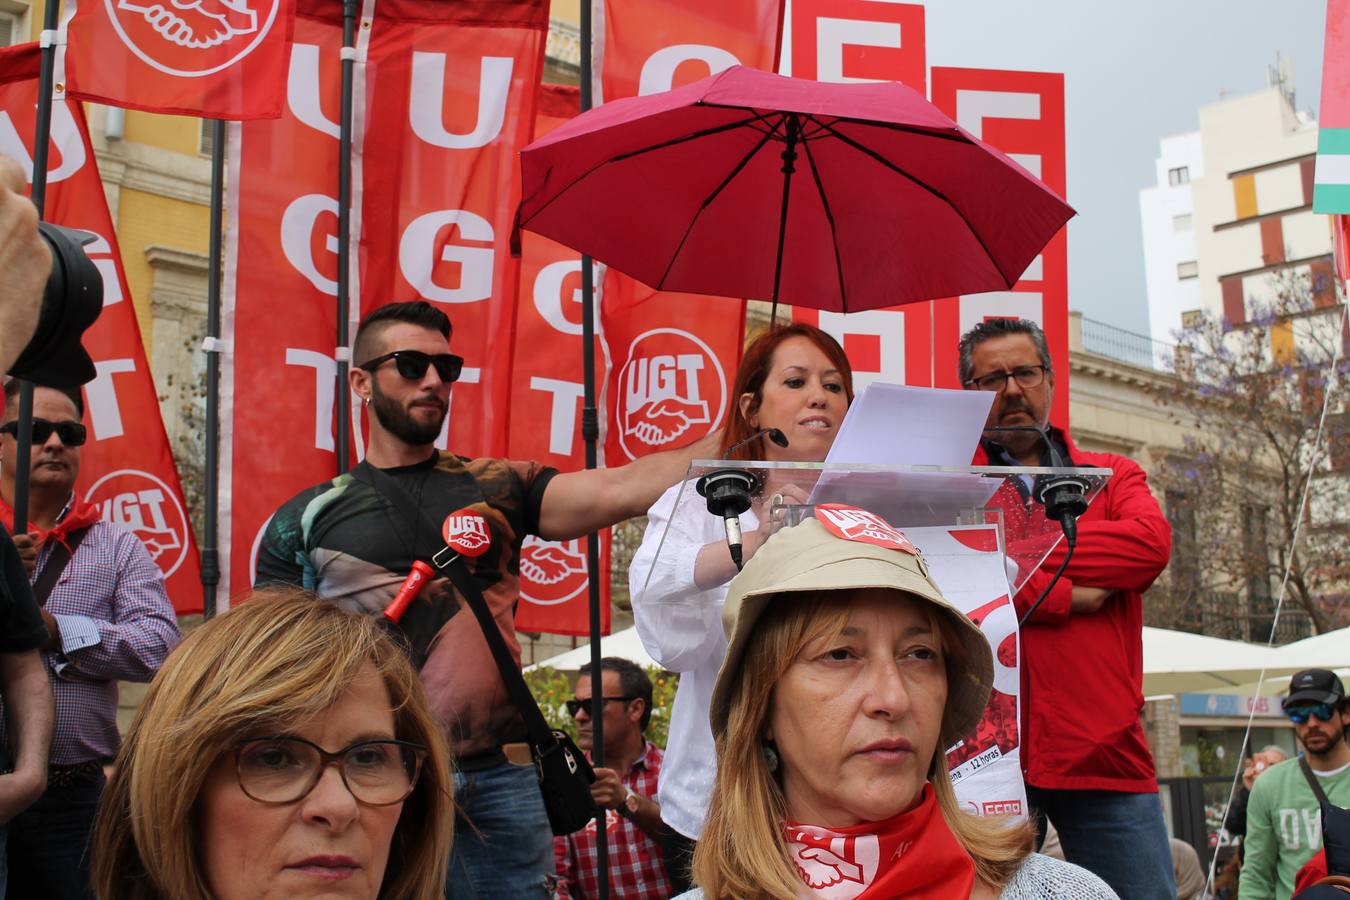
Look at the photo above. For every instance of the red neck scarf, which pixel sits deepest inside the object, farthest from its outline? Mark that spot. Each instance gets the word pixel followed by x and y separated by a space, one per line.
pixel 78 515
pixel 913 855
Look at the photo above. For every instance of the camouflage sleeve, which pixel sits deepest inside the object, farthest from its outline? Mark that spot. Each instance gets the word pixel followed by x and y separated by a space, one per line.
pixel 282 555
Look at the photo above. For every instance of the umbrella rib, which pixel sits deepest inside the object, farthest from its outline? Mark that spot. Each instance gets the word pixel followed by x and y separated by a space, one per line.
pixel 829 217
pixel 930 189
pixel 692 136
pixel 709 199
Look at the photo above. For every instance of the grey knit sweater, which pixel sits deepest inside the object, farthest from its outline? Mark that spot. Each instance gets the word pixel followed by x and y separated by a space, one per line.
pixel 1040 878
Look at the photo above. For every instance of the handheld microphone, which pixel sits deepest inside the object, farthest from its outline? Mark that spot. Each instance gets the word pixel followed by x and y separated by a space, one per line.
pixel 412 586
pixel 728 492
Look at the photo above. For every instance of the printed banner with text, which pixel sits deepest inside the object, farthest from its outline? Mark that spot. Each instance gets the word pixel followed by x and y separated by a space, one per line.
pixel 127 467
pixel 222 59
pixel 449 88
pixel 546 393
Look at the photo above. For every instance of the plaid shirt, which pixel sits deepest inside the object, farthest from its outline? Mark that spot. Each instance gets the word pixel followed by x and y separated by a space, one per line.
pixel 637 871
pixel 116 623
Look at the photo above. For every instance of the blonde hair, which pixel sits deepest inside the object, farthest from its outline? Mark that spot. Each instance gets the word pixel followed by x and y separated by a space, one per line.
pixel 275 661
pixel 742 852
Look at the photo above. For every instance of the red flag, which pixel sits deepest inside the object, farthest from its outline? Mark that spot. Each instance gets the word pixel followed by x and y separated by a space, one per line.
pixel 127 467
pixel 546 393
pixel 433 195
pixel 222 59
pixel 1022 114
pixel 452 99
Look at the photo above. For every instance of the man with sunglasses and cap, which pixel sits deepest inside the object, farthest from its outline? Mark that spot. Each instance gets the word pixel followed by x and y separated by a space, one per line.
pixel 350 540
pixel 1284 820
pixel 108 619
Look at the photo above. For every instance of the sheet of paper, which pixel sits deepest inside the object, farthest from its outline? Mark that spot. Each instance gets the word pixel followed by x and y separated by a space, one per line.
pixel 896 425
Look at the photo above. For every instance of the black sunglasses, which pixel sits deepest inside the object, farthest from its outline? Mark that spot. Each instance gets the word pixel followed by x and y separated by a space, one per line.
pixel 412 364
pixel 72 434
pixel 574 705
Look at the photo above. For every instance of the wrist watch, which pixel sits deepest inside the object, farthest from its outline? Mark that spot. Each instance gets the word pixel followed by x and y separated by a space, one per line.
pixel 628 808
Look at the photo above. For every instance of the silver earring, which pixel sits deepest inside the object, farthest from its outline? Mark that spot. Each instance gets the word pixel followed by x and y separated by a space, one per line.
pixel 770 756
pixel 367 401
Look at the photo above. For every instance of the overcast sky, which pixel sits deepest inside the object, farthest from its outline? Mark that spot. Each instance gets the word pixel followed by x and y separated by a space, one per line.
pixel 1134 72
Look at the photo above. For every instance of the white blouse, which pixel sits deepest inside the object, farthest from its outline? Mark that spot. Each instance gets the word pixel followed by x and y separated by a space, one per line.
pixel 681 627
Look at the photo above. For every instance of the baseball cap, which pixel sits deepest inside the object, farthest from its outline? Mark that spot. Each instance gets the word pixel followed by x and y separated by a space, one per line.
pixel 1314 686
pixel 843 549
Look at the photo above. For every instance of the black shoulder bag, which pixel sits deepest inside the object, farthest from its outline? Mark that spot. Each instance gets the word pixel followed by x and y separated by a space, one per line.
pixel 564 773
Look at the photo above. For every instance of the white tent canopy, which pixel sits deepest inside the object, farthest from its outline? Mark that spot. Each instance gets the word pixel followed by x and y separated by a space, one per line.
pixel 625 644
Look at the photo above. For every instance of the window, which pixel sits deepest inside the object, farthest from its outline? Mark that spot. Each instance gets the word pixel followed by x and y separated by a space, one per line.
pixel 1181 222
pixel 10 28
pixel 1192 318
pixel 1188 269
pixel 1256 560
pixel 1179 176
pixel 1185 567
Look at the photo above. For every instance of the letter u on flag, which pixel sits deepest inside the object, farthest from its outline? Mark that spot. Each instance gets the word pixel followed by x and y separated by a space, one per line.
pixel 221 59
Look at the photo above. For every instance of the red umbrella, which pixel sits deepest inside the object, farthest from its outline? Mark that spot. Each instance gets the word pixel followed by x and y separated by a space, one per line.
pixel 747 184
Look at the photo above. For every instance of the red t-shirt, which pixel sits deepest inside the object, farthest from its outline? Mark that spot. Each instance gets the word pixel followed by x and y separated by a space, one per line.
pixel 1082 674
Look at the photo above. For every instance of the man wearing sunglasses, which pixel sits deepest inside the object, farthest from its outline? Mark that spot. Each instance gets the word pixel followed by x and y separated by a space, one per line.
pixel 625 787
pixel 1284 822
pixel 108 619
pixel 1086 762
pixel 346 540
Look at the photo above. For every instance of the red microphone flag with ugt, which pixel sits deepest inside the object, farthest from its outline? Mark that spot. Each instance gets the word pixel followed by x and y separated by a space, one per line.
pixel 221 59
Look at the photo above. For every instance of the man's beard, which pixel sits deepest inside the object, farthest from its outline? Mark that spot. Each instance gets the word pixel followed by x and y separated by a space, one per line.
pixel 401 424
pixel 1326 743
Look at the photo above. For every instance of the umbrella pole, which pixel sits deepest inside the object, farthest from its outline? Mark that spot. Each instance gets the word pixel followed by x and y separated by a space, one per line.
pixel 590 434
pixel 792 130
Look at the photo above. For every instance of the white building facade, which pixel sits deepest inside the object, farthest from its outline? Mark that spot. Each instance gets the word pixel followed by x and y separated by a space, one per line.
pixel 1166 212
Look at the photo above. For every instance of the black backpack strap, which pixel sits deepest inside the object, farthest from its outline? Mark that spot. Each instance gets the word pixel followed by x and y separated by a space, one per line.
pixel 1313 783
pixel 452 566
pixel 57 560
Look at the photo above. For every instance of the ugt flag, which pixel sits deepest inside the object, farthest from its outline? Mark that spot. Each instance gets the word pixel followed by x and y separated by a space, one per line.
pixel 221 59
pixel 1331 183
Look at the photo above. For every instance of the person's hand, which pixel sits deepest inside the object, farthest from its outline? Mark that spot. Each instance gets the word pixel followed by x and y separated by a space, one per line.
pixel 1088 599
pixel 771 512
pixel 1257 765
pixel 25 260
pixel 608 790
pixel 18 791
pixel 26 544
pixel 53 632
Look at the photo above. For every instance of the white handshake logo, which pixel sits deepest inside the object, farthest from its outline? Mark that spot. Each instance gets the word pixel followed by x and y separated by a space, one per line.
pixel 197 24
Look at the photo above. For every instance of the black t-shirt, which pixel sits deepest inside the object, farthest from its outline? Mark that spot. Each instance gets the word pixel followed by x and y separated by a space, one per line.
pixel 21 627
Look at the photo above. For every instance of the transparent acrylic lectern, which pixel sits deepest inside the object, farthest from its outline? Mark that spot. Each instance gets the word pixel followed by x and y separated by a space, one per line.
pixel 910 496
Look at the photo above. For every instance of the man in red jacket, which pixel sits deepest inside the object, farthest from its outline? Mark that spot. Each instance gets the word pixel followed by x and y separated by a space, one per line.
pixel 1087 765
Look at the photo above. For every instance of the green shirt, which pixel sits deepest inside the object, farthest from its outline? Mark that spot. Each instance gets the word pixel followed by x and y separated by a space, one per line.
pixel 1284 828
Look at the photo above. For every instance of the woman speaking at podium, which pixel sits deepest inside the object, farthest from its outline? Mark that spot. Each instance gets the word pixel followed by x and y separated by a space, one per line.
pixel 796 379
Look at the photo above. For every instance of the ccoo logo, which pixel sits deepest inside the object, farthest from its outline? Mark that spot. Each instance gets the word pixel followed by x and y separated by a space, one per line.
pixel 192 38
pixel 551 572
pixel 672 387
pixel 145 506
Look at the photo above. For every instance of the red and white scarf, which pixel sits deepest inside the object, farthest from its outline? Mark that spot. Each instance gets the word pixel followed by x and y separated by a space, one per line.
pixel 78 514
pixel 913 855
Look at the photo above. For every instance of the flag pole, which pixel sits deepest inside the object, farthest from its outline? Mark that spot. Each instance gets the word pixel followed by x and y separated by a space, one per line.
pixel 590 433
pixel 41 138
pixel 211 480
pixel 343 354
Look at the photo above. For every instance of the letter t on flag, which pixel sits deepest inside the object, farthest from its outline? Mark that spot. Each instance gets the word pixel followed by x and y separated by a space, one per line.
pixel 219 59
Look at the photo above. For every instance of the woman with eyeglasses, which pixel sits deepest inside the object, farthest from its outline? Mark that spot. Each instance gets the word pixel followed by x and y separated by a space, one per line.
pixel 795 379
pixel 285 750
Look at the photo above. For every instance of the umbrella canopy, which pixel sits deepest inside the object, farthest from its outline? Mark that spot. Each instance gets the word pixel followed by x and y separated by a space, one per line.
pixel 840 197
pixel 1321 651
pixel 1178 662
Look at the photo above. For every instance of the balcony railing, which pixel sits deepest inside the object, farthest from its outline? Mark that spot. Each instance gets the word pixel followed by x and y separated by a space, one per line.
pixel 1127 346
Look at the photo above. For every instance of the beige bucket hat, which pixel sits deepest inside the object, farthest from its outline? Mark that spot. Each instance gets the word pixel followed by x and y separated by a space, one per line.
pixel 856 549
